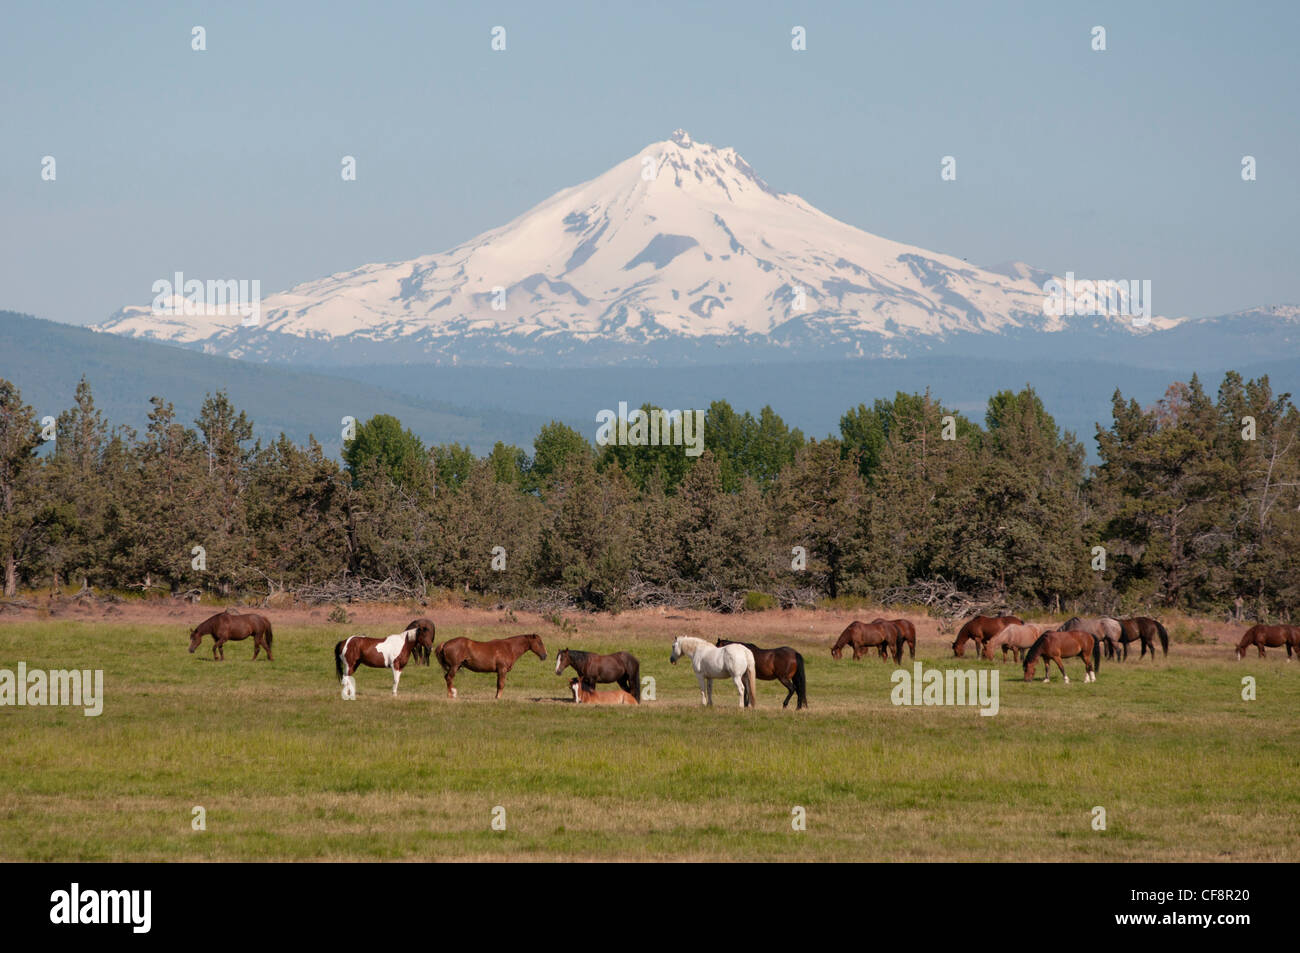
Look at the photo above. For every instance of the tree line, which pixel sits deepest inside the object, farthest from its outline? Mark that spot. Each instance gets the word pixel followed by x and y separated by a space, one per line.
pixel 1195 504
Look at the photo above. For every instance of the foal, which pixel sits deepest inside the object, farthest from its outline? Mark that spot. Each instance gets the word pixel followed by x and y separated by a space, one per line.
pixel 584 693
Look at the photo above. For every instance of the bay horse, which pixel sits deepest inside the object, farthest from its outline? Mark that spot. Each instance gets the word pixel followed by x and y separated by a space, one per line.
pixel 394 651
pixel 1061 644
pixel 584 693
pixel 620 667
pixel 1272 636
pixel 1018 638
pixel 495 655
pixel 229 626
pixel 783 664
pixel 733 661
pixel 862 636
pixel 1109 630
pixel 1147 630
pixel 904 631
pixel 981 629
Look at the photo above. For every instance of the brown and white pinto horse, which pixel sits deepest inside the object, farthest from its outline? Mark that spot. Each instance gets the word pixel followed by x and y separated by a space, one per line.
pixel 981 629
pixel 497 655
pixel 904 631
pixel 784 665
pixel 394 651
pixel 228 626
pixel 1272 636
pixel 1055 646
pixel 862 636
pixel 584 693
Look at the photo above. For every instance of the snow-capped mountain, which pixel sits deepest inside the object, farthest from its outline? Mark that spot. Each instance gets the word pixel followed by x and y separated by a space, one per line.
pixel 671 254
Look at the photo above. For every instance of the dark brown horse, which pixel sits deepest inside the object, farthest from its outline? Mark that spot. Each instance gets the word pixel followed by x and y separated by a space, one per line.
pixel 784 665
pixel 862 636
pixel 1146 630
pixel 620 667
pixel 904 631
pixel 228 626
pixel 394 651
pixel 1055 646
pixel 1272 636
pixel 497 655
pixel 981 629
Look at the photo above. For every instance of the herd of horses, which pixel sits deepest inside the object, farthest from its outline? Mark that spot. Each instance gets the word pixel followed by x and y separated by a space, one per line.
pixel 740 662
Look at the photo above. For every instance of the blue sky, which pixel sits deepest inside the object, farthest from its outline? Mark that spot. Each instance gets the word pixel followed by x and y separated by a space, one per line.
pixel 225 163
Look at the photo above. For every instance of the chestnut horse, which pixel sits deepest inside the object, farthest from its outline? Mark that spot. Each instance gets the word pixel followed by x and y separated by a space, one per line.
pixel 1018 638
pixel 1147 630
pixel 981 629
pixel 584 693
pixel 784 664
pixel 497 655
pixel 862 636
pixel 1273 636
pixel 1055 646
pixel 233 627
pixel 904 631
pixel 394 651
pixel 620 667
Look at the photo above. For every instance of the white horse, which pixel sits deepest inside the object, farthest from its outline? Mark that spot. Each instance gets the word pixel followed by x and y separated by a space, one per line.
pixel 709 661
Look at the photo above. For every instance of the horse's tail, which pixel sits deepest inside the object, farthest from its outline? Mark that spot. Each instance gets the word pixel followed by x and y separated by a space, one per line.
pixel 338 659
pixel 751 694
pixel 800 681
pixel 268 637
pixel 634 673
pixel 438 651
pixel 1164 636
pixel 1096 656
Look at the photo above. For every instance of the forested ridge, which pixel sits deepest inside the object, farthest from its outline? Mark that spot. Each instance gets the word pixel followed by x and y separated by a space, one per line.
pixel 1195 504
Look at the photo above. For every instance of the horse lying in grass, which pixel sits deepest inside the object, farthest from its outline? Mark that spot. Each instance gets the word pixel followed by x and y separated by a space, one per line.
pixel 784 664
pixel 1270 636
pixel 584 693
pixel 862 636
pixel 228 626
pixel 496 655
pixel 620 667
pixel 1055 646
pixel 394 651
pixel 979 630
pixel 733 661
pixel 903 631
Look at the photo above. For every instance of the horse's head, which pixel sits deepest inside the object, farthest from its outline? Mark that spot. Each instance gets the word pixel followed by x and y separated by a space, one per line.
pixel 561 660
pixel 677 650
pixel 195 638
pixel 535 645
pixel 1029 668
pixel 837 650
pixel 422 647
pixel 721 642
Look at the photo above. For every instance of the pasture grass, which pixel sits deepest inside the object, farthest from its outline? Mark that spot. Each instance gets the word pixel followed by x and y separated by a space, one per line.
pixel 286 770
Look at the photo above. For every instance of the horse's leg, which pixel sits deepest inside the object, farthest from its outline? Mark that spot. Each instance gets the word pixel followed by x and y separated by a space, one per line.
pixel 789 691
pixel 501 680
pixel 449 676
pixel 397 677
pixel 257 646
pixel 739 680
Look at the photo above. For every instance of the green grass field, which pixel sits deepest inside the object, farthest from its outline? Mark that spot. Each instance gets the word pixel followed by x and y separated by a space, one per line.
pixel 286 770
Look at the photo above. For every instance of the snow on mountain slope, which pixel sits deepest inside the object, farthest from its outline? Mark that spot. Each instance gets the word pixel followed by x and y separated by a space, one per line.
pixel 681 242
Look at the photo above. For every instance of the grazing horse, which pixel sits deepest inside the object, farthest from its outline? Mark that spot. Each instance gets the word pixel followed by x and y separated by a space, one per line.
pixel 1017 638
pixel 1107 630
pixel 981 629
pixel 1272 636
pixel 231 627
pixel 621 667
pixel 904 631
pixel 861 636
pixel 733 661
pixel 1055 646
pixel 1148 630
pixel 497 655
pixel 584 693
pixel 785 665
pixel 394 651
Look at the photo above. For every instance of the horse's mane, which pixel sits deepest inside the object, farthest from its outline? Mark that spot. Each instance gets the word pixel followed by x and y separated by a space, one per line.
pixel 693 642
pixel 1035 650
pixel 577 654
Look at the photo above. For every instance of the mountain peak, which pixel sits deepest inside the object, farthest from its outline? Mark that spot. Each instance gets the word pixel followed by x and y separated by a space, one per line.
pixel 682 138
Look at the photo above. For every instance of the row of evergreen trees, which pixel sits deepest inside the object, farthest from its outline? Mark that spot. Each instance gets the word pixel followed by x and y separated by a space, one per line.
pixel 1195 504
